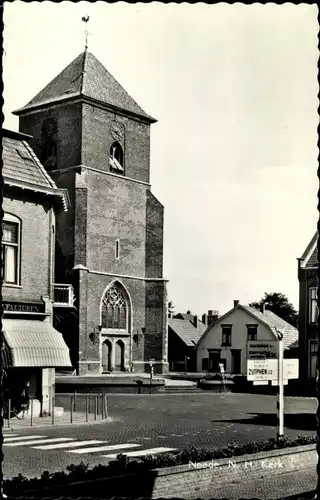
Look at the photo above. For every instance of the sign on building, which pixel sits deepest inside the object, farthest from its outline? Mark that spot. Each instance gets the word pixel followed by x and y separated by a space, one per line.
pixel 257 349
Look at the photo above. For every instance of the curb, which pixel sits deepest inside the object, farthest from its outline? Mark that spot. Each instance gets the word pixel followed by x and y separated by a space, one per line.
pixel 58 424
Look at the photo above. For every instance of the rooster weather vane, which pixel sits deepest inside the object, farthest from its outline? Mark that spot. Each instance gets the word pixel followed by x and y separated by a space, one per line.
pixel 85 19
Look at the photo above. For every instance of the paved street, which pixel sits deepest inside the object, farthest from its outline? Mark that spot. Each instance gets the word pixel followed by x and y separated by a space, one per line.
pixel 154 422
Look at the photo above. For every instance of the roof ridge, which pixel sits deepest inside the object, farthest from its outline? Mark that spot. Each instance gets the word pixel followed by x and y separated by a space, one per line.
pixel 84 71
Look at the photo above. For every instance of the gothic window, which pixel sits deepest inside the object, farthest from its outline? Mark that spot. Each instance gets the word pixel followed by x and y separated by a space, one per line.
pixel 116 158
pixel 313 305
pixel 115 309
pixel 48 155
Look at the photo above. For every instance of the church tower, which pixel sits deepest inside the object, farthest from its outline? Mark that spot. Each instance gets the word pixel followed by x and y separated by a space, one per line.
pixel 94 141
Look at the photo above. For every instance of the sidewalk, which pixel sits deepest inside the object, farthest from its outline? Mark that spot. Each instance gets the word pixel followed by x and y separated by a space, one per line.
pixel 282 486
pixel 78 418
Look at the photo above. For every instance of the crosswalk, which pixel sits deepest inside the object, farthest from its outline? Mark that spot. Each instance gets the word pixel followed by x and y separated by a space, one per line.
pixel 80 447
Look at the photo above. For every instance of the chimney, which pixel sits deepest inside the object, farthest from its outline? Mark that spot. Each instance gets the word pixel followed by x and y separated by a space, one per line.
pixel 213 317
pixel 205 319
pixel 195 321
pixel 263 308
pixel 235 303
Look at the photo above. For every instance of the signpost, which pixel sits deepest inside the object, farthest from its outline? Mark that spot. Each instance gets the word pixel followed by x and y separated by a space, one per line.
pixel 265 363
pixel 222 372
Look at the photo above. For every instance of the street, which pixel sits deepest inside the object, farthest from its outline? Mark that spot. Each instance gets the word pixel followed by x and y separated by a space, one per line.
pixel 157 423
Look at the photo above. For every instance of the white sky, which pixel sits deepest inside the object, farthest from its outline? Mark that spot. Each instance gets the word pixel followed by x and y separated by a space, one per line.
pixel 234 152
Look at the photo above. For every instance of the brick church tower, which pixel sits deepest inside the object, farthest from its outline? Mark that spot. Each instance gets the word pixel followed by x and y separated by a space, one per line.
pixel 94 140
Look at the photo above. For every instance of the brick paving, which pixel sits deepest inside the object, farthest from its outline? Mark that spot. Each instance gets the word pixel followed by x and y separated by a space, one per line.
pixel 175 421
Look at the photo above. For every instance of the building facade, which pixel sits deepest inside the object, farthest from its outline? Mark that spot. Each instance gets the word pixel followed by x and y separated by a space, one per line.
pixel 225 340
pixel 32 348
pixel 94 141
pixel 308 310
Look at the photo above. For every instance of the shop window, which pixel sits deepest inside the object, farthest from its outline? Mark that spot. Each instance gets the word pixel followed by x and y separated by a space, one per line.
pixel 11 241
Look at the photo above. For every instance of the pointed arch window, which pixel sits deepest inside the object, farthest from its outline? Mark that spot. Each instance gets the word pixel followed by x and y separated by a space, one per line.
pixel 115 309
pixel 116 158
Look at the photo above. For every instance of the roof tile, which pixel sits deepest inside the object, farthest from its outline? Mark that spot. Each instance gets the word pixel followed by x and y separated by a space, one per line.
pixel 186 331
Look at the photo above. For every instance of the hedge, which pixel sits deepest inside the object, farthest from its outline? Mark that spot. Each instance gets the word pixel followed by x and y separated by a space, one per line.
pixel 19 485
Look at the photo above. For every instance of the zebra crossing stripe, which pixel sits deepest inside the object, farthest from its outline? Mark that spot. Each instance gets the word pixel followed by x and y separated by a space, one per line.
pixel 21 438
pixel 141 453
pixel 10 435
pixel 105 448
pixel 67 445
pixel 37 441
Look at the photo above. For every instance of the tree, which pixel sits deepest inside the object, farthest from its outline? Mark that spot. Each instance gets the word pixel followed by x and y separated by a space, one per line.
pixel 171 307
pixel 279 304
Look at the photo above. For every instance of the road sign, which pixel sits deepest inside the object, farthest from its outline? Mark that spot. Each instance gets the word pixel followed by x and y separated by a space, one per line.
pixel 290 369
pixel 260 382
pixel 260 349
pixel 275 382
pixel 261 369
pixel 221 366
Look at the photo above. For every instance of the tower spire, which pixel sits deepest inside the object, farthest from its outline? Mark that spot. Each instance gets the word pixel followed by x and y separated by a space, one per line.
pixel 85 19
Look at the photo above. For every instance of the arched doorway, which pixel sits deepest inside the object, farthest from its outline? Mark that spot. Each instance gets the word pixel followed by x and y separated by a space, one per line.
pixel 106 356
pixel 119 355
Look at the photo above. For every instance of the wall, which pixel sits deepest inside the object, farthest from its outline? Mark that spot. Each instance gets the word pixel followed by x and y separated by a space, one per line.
pixel 239 319
pixel 97 141
pixel 35 245
pixel 154 237
pixel 307 279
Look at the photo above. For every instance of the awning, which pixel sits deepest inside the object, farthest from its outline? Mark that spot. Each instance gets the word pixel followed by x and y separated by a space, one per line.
pixel 30 343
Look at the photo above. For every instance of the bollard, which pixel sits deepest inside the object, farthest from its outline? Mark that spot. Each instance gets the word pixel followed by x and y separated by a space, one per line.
pixel 74 402
pixel 71 407
pixel 86 408
pixel 52 409
pixel 105 401
pixel 9 411
pixel 95 407
pixel 31 407
pixel 89 403
pixel 102 407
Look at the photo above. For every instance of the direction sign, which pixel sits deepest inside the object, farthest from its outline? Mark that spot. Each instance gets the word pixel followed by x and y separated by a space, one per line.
pixel 261 369
pixel 275 382
pixel 260 349
pixel 290 368
pixel 221 366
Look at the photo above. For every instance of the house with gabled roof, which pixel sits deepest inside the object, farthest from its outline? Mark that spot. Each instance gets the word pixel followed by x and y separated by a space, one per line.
pixel 94 140
pixel 184 332
pixel 308 310
pixel 225 341
pixel 32 348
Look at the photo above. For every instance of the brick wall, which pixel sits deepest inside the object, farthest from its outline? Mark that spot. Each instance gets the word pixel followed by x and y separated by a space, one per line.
pixel 35 215
pixel 97 140
pixel 154 237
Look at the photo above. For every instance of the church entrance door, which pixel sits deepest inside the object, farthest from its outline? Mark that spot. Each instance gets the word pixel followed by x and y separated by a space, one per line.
pixel 106 356
pixel 119 356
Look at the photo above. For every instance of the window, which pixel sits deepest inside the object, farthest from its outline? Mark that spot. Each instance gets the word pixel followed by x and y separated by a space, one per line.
pixel 205 364
pixel 252 331
pixel 115 309
pixel 117 249
pixel 313 305
pixel 226 335
pixel 313 355
pixel 116 158
pixel 11 249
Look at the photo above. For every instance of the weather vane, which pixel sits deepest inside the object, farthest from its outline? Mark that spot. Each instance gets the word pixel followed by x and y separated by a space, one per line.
pixel 85 19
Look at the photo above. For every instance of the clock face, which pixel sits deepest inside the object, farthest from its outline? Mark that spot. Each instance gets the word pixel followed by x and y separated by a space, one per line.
pixel 117 131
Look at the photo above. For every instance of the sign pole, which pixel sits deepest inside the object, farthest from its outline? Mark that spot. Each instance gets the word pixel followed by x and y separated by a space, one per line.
pixel 280 400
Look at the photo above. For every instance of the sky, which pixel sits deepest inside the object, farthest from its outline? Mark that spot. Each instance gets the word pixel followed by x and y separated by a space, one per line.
pixel 234 152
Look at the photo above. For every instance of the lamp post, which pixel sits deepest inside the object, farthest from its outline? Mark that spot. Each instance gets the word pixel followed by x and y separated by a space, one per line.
pixel 280 399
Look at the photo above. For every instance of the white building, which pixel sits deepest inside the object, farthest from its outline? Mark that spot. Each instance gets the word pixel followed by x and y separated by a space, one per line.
pixel 226 340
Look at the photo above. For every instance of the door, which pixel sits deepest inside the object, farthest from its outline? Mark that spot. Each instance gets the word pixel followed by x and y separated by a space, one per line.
pixel 236 361
pixel 214 359
pixel 106 356
pixel 119 356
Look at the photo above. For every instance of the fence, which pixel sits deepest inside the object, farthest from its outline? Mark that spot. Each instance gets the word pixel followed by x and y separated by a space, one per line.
pixel 80 407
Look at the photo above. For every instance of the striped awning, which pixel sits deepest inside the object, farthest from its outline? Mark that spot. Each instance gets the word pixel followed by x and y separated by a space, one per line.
pixel 28 343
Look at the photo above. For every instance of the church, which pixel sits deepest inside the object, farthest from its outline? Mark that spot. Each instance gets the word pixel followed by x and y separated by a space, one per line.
pixel 94 141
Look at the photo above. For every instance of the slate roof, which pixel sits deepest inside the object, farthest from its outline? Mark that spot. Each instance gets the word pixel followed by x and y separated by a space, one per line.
pixel 20 163
pixel 20 166
pixel 290 334
pixel 186 331
pixel 310 255
pixel 85 76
